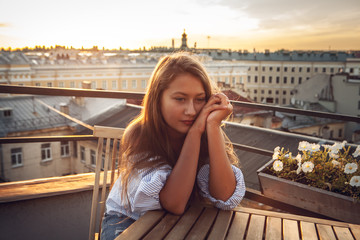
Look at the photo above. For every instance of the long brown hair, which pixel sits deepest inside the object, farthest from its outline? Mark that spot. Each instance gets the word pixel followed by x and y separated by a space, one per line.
pixel 145 143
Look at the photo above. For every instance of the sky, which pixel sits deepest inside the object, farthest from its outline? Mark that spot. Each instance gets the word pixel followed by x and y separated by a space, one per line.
pixel 225 24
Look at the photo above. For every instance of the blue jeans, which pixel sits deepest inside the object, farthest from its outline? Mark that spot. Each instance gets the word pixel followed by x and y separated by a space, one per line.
pixel 113 225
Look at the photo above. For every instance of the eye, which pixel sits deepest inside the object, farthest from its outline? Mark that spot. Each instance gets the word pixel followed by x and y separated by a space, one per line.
pixel 200 100
pixel 180 99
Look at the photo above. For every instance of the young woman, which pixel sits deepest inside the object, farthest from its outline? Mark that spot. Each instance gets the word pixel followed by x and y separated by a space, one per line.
pixel 176 140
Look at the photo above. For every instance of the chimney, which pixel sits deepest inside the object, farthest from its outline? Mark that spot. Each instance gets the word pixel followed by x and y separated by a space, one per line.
pixel 81 100
pixel 64 108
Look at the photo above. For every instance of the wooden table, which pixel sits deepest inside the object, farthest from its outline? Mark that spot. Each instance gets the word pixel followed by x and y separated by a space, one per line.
pixel 205 222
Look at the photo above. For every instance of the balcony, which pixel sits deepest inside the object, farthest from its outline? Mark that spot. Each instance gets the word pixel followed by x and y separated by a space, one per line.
pixel 59 207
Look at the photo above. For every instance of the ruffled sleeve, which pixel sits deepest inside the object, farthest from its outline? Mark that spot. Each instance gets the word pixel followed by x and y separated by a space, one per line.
pixel 144 189
pixel 234 200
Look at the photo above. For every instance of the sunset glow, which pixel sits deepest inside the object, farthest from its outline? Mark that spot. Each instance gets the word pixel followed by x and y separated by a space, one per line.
pixel 227 24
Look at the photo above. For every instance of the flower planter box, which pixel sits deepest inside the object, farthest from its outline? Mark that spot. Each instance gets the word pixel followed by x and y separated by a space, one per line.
pixel 317 200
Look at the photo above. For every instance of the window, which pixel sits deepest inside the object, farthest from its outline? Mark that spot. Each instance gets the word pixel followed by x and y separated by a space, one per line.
pixel 233 81
pixel 277 100
pixel 255 91
pixel 72 84
pixel 300 69
pixel 308 69
pixel 45 152
pixel 256 79
pixel 248 79
pixel 61 84
pixel 293 69
pixel 124 84
pixel 285 69
pixel 270 69
pixel 359 105
pixel 284 92
pixel 93 85
pixel 300 80
pixel 316 69
pixel 133 84
pixel 285 80
pixel 292 80
pixel 277 92
pixel 49 84
pixel 263 69
pixel 92 157
pixel 104 84
pixel 269 92
pixel 270 79
pixel 16 157
pixel 284 101
pixel 263 79
pixel 256 68
pixel 114 84
pixel 143 83
pixel 255 99
pixel 332 70
pixel 82 153
pixel 262 91
pixel 340 133
pixel 37 84
pixel 277 79
pixel 65 149
pixel 278 69
pixel 324 70
pixel 75 149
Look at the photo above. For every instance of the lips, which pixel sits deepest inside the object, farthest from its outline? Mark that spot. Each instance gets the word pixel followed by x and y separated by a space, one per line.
pixel 188 122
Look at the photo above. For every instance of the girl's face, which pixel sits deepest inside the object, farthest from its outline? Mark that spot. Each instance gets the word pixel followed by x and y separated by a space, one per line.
pixel 181 102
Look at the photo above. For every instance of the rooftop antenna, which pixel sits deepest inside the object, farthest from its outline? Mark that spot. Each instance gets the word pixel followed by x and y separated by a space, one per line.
pixel 208 38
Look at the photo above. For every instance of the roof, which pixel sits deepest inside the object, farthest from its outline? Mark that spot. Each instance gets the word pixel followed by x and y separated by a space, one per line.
pixel 28 112
pixel 314 88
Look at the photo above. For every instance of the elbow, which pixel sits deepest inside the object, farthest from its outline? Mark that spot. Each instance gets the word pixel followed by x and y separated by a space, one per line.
pixel 174 208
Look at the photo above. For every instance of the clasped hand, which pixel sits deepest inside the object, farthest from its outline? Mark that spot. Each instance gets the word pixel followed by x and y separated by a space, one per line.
pixel 214 111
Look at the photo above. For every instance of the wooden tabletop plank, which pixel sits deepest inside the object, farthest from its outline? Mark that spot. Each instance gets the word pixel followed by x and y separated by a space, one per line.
pixel 343 233
pixel 163 227
pixel 325 232
pixel 185 223
pixel 221 225
pixel 203 224
pixel 290 229
pixel 142 226
pixel 308 231
pixel 238 226
pixel 355 229
pixel 273 228
pixel 256 227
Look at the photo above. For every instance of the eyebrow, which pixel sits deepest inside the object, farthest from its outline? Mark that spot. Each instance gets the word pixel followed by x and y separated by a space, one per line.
pixel 184 94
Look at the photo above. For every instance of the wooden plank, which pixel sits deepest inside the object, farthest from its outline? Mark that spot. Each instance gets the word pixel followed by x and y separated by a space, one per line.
pixel 163 227
pixel 142 226
pixel 273 228
pixel 290 230
pixel 256 227
pixel 185 223
pixel 325 232
pixel 238 226
pixel 291 216
pixel 343 233
pixel 203 224
pixel 221 225
pixel 355 229
pixel 308 230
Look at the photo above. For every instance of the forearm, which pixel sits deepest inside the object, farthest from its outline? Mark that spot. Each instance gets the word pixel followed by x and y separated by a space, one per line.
pixel 222 181
pixel 179 185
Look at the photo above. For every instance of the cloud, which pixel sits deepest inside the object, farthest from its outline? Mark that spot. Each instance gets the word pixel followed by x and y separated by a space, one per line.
pixel 4 25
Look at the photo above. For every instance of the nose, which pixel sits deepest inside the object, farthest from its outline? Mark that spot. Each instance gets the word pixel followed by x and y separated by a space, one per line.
pixel 190 109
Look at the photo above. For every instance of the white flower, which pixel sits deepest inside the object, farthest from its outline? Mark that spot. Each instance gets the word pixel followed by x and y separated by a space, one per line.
pixel 355 181
pixel 357 151
pixel 335 163
pixel 278 166
pixel 333 155
pixel 336 147
pixel 307 167
pixel 303 146
pixel 326 146
pixel 276 155
pixel 350 168
pixel 314 147
pixel 298 158
pixel 277 149
pixel 298 170
pixel 343 144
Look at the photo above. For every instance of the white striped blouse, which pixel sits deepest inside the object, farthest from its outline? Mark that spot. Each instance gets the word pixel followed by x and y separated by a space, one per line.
pixel 144 189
